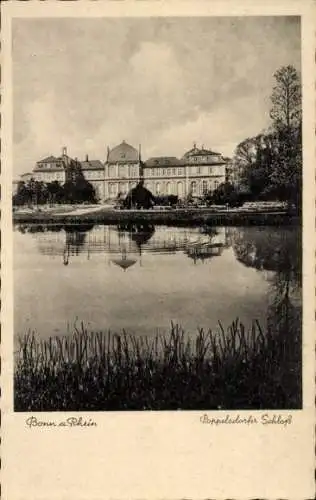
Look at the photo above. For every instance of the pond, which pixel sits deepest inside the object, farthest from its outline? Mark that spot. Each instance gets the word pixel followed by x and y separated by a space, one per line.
pixel 140 277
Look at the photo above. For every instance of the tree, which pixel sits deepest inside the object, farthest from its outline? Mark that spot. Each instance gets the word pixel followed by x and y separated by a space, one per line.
pixel 55 192
pixel 139 197
pixel 286 111
pixel 226 193
pixel 269 165
pixel 23 194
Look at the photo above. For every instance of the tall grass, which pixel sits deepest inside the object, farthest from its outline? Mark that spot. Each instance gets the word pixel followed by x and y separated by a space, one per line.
pixel 233 369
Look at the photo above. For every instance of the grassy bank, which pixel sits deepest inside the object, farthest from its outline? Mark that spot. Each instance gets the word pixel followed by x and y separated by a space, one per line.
pixel 233 369
pixel 168 217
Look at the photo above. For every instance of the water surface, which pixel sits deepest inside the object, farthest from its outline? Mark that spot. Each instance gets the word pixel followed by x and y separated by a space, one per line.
pixel 140 278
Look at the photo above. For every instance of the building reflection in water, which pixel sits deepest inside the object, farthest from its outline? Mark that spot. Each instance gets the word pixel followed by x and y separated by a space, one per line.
pixel 127 242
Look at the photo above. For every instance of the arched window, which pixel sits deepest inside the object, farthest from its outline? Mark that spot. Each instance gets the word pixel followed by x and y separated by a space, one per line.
pixel 180 189
pixel 112 188
pixel 158 188
pixel 193 187
pixel 168 187
pixel 204 187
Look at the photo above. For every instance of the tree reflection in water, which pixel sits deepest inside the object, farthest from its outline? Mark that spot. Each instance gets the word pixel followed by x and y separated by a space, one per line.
pixel 279 251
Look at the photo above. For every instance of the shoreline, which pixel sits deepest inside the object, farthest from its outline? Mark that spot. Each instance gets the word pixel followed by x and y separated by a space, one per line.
pixel 164 217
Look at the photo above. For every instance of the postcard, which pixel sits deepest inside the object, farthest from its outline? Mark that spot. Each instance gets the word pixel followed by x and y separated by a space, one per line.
pixel 158 250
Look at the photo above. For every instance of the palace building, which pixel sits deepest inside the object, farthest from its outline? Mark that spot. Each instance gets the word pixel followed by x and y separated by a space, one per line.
pixel 199 171
pixel 123 170
pixel 196 173
pixel 52 168
pixel 93 171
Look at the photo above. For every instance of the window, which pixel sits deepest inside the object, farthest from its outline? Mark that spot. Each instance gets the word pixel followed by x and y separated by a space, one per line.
pixel 152 172
pixel 163 171
pixel 180 189
pixel 169 171
pixel 123 187
pixel 193 187
pixel 198 170
pixel 173 171
pixel 112 188
pixel 112 171
pixel 168 187
pixel 122 171
pixel 179 171
pixel 204 187
pixel 216 184
pixel 158 188
pixel 210 169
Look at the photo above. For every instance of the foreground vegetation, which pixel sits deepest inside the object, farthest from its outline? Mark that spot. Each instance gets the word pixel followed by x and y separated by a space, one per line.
pixel 236 369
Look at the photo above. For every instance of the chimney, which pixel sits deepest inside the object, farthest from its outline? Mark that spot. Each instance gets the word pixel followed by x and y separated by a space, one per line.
pixel 87 158
pixel 139 152
pixel 108 152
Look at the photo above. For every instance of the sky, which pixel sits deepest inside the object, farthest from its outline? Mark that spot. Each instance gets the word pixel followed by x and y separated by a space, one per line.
pixel 164 83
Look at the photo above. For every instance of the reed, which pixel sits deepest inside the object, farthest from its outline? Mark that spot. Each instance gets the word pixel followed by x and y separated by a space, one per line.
pixel 227 369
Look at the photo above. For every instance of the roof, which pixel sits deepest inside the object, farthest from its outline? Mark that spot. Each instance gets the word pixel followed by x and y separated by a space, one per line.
pixel 163 161
pixel 43 168
pixel 200 152
pixel 49 159
pixel 91 165
pixel 123 153
pixel 60 162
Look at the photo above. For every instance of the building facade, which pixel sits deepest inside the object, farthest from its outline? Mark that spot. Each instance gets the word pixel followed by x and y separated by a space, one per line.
pixel 196 173
pixel 123 170
pixel 53 168
pixel 199 171
pixel 94 172
pixel 165 175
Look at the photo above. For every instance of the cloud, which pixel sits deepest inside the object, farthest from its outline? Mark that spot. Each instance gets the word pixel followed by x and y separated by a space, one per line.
pixel 161 82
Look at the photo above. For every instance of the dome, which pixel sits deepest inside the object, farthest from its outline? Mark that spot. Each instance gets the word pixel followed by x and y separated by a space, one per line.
pixel 123 153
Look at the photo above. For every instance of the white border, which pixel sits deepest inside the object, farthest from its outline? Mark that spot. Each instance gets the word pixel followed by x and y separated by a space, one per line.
pixel 168 454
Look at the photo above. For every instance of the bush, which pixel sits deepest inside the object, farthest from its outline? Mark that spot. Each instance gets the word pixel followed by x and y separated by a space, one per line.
pixel 225 194
pixel 166 200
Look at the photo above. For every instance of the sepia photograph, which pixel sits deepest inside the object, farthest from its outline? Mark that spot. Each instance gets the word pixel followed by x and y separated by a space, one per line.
pixel 157 213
